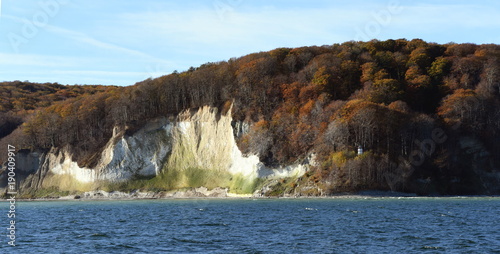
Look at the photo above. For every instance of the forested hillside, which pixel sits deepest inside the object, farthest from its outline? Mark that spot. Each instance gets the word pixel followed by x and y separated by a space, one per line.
pixel 21 99
pixel 427 116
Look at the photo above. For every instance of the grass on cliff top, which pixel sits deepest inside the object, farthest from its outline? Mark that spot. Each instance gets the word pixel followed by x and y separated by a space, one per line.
pixel 189 178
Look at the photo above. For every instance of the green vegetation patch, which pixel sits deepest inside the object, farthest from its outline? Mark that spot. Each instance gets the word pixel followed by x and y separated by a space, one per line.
pixel 175 179
pixel 50 192
pixel 283 186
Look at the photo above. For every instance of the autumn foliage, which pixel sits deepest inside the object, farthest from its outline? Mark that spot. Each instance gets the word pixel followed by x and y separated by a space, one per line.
pixel 383 96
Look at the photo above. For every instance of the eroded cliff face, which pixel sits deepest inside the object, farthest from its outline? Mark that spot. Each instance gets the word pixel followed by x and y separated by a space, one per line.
pixel 204 139
pixel 141 154
pixel 197 141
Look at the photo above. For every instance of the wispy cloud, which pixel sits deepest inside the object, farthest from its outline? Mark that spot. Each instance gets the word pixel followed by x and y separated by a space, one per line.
pixel 124 42
pixel 201 32
pixel 204 26
pixel 84 38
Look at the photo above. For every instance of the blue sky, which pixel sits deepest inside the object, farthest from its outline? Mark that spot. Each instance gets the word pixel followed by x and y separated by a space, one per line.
pixel 115 42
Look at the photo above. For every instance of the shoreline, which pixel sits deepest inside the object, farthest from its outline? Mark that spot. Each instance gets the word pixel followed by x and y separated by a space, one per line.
pixel 232 196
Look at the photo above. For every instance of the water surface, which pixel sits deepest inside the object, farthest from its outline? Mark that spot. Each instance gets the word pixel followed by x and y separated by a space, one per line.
pixel 346 225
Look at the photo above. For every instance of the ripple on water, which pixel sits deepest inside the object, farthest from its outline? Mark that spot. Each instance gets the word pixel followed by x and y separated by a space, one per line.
pixel 99 235
pixel 261 226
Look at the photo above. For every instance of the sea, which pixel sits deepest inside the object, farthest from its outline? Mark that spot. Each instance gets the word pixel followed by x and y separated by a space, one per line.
pixel 326 225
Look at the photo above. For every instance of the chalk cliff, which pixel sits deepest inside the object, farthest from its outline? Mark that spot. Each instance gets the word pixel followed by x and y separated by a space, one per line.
pixel 201 139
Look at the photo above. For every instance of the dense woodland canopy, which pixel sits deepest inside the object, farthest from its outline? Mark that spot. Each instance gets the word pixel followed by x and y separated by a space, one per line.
pixel 386 97
pixel 21 99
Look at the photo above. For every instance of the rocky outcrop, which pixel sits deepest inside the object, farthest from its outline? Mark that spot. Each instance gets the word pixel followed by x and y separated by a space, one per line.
pixel 200 192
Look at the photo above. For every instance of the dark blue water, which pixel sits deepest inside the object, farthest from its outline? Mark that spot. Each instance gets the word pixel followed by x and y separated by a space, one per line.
pixel 385 225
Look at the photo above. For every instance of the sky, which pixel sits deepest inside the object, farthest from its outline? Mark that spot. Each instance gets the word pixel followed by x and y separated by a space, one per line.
pixel 121 42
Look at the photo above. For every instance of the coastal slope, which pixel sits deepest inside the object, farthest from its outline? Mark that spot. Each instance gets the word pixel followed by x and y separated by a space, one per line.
pixel 397 115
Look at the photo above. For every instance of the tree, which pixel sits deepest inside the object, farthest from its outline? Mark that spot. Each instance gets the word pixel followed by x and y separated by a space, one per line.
pixel 420 57
pixel 260 139
pixel 384 91
pixel 416 80
pixel 462 108
pixel 337 135
pixel 490 79
pixel 439 68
